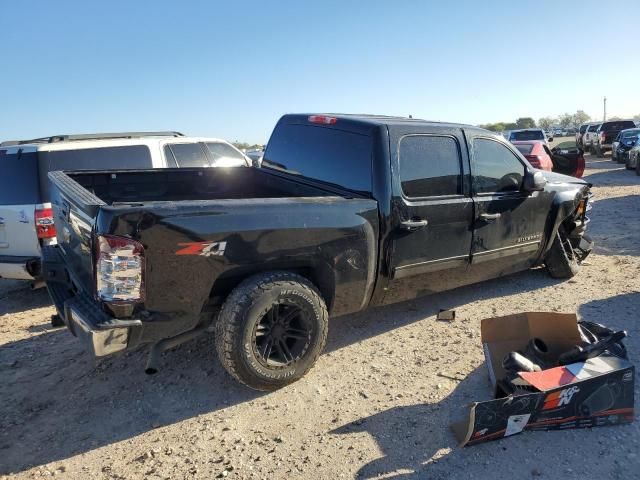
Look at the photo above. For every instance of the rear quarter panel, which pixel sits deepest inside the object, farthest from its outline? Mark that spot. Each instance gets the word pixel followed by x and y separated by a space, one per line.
pixel 334 239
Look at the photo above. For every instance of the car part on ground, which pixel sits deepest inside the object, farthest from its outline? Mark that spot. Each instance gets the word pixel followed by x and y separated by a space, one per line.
pixel 596 391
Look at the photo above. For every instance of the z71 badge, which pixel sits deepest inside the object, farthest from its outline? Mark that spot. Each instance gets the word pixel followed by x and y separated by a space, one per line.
pixel 205 249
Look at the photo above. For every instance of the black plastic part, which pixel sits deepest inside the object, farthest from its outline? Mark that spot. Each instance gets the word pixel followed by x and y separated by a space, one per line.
pixel 580 354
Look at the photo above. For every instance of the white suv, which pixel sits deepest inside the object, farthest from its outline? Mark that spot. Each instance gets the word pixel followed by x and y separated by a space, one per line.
pixel 26 219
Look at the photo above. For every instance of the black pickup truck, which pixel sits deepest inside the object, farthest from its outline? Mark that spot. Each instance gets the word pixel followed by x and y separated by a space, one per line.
pixel 344 213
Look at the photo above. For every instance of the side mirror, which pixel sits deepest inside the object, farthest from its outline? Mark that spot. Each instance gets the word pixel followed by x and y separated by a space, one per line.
pixel 550 139
pixel 534 182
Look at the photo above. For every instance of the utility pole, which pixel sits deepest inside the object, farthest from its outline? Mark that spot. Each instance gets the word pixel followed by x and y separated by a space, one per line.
pixel 604 115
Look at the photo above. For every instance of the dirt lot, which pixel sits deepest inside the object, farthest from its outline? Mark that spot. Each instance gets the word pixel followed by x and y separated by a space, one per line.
pixel 378 403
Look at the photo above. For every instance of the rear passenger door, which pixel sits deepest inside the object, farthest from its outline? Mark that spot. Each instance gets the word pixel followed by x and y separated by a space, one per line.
pixel 433 210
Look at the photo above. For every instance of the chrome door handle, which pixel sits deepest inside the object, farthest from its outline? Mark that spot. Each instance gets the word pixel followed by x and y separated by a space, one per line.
pixel 490 216
pixel 413 224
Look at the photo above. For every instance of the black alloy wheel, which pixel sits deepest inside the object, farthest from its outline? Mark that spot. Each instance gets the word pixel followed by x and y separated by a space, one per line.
pixel 282 336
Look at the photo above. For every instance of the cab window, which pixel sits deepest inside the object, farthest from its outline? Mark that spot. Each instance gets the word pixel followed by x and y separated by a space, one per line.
pixel 496 168
pixel 189 155
pixel 429 166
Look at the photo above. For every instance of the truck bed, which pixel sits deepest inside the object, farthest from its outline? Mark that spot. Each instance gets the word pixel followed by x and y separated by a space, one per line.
pixel 127 187
pixel 266 221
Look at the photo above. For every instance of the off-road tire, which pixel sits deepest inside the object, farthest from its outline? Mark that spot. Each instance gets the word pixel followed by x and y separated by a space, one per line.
pixel 247 304
pixel 561 260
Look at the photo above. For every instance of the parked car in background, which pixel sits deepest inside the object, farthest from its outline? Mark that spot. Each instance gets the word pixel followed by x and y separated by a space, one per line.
pixel 568 159
pixel 580 135
pixel 633 158
pixel 26 221
pixel 606 134
pixel 625 141
pixel 347 212
pixel 537 152
pixel 590 136
pixel 528 134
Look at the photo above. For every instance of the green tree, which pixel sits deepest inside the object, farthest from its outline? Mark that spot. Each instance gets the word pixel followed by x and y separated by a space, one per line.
pixel 526 122
pixel 565 120
pixel 546 122
pixel 511 126
pixel 580 117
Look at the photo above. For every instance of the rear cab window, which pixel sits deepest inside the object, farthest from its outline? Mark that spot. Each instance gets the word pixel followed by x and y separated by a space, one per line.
pixel 430 165
pixel 524 149
pixel 527 135
pixel 19 178
pixel 328 154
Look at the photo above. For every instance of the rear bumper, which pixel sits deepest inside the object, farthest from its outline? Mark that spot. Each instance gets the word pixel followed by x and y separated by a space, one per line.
pixel 102 334
pixel 19 268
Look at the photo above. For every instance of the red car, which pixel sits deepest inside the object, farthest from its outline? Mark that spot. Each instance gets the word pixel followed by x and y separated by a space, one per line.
pixel 536 152
pixel 565 158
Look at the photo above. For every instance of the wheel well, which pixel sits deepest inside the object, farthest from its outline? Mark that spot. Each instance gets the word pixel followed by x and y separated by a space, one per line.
pixel 224 284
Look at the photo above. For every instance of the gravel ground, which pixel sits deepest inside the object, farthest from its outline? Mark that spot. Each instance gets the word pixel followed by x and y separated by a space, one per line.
pixel 377 404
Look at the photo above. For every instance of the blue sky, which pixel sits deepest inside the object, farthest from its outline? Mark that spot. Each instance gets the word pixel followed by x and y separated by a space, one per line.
pixel 230 69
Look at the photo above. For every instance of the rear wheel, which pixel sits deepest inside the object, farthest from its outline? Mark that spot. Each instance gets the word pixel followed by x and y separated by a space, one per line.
pixel 271 330
pixel 561 260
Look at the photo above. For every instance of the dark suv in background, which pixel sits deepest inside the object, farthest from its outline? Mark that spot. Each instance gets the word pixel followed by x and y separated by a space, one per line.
pixel 607 133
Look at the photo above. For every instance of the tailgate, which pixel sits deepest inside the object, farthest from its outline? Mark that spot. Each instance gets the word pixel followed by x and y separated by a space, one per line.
pixel 74 212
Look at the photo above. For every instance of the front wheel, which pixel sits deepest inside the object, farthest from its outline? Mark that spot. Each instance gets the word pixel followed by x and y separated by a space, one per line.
pixel 637 166
pixel 271 330
pixel 561 260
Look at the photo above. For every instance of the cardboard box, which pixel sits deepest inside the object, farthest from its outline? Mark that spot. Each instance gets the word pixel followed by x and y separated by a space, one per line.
pixel 594 393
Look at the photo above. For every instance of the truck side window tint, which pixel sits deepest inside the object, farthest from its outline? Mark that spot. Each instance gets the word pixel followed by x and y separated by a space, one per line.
pixel 496 168
pixel 429 166
pixel 168 155
pixel 189 155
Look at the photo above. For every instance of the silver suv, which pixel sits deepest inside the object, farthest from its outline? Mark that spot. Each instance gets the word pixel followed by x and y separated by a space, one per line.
pixel 26 218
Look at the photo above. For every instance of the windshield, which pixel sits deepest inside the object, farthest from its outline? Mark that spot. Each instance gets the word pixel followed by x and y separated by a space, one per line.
pixel 225 155
pixel 609 126
pixel 527 135
pixel 631 133
pixel 525 148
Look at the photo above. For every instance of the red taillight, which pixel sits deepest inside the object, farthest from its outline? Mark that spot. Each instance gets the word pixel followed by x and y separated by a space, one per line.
pixel 602 137
pixel 323 119
pixel 119 269
pixel 44 223
pixel 580 167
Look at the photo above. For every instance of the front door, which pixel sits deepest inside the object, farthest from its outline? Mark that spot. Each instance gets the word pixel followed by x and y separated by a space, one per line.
pixel 509 222
pixel 430 245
